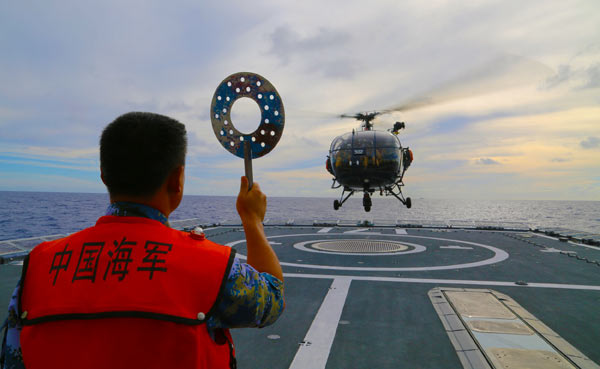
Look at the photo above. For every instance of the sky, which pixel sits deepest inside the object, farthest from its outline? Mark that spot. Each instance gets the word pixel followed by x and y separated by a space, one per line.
pixel 501 98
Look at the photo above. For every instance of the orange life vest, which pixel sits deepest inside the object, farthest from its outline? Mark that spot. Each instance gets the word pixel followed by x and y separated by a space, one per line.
pixel 126 293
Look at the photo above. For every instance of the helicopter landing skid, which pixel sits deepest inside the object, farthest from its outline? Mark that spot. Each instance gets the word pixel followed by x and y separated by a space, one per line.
pixel 390 191
pixel 395 190
pixel 338 203
pixel 366 199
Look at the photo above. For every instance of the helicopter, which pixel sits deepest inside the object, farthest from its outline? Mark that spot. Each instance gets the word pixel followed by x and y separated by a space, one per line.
pixel 369 160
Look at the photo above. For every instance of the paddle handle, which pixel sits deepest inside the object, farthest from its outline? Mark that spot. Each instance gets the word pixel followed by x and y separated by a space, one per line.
pixel 248 163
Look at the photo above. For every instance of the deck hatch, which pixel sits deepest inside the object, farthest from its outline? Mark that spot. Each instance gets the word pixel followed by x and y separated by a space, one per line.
pixel 533 359
pixel 508 327
pixel 490 330
pixel 360 246
pixel 478 305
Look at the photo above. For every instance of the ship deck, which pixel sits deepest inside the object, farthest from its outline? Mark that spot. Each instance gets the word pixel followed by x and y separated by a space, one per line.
pixel 361 295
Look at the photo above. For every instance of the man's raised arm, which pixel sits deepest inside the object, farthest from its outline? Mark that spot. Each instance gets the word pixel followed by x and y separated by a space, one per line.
pixel 252 206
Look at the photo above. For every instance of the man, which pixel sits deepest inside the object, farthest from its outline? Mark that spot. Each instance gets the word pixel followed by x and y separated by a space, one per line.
pixel 132 292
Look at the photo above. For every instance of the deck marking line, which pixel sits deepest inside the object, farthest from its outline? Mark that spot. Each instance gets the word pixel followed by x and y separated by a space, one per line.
pixel 445 281
pixel 357 230
pixel 322 330
pixel 582 245
pixel 324 230
pixel 570 242
pixel 551 249
pixel 362 231
pixel 500 255
pixel 401 231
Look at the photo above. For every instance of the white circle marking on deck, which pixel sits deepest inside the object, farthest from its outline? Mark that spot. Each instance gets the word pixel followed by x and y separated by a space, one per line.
pixel 301 246
pixel 499 255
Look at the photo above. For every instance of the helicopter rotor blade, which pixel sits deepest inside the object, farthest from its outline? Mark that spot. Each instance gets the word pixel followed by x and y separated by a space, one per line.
pixel 312 114
pixel 504 72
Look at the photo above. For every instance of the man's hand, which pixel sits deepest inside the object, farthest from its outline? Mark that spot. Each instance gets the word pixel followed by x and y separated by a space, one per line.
pixel 251 205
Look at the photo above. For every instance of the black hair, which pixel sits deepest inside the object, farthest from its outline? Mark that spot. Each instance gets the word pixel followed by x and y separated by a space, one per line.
pixel 139 150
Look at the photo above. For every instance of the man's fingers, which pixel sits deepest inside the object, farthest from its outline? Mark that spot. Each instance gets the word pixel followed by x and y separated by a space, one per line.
pixel 244 184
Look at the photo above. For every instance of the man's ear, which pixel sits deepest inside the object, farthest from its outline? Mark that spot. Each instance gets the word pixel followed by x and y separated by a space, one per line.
pixel 176 180
pixel 102 176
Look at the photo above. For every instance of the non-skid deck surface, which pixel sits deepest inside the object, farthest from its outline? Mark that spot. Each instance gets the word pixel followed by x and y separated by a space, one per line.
pixel 349 310
pixel 349 306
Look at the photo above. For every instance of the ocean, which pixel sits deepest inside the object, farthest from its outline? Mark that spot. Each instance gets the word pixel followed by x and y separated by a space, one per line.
pixel 32 214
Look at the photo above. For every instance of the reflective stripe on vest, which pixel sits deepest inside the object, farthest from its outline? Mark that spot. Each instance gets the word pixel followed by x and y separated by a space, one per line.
pixel 128 292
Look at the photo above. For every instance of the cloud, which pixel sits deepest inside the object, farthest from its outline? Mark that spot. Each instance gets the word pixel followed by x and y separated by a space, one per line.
pixel 50 152
pixel 286 41
pixel 582 78
pixel 46 164
pixel 590 143
pixel 581 72
pixel 19 181
pixel 486 161
pixel 560 160
pixel 323 48
pixel 563 74
pixel 593 77
pixel 68 70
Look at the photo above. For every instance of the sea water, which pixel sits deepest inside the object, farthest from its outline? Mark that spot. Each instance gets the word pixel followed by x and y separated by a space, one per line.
pixel 32 214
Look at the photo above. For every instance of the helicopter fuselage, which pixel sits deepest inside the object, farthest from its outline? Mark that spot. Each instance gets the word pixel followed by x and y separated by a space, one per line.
pixel 369 160
pixel 365 160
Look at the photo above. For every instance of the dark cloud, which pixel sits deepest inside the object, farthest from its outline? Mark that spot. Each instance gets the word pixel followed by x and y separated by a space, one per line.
pixel 590 143
pixel 559 160
pixel 592 77
pixel 583 78
pixel 486 161
pixel 563 74
pixel 577 70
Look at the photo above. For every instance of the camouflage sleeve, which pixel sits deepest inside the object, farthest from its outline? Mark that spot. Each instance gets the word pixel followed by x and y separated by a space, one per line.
pixel 250 299
pixel 11 345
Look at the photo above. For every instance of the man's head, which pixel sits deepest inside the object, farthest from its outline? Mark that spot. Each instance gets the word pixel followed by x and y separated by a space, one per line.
pixel 138 153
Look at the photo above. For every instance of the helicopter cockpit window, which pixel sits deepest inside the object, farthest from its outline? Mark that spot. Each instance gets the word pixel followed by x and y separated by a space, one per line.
pixel 364 140
pixel 387 141
pixel 335 145
pixel 342 143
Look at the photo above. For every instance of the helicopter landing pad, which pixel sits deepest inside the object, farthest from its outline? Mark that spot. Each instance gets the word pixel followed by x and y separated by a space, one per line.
pixel 359 297
pixel 423 297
